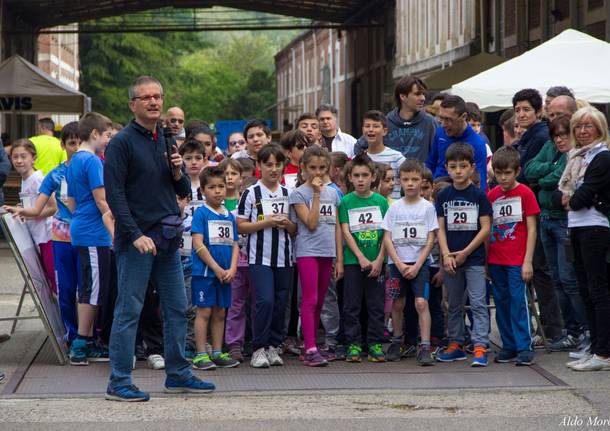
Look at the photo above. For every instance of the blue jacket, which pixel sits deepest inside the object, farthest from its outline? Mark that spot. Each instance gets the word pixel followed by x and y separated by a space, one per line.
pixel 530 145
pixel 436 158
pixel 140 188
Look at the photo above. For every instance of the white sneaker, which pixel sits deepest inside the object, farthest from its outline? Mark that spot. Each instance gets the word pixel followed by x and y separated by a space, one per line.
pixel 582 360
pixel 259 359
pixel 156 362
pixel 274 356
pixel 595 363
pixel 581 353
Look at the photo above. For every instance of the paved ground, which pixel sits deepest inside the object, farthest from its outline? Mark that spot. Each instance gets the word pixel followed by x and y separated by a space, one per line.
pixel 45 396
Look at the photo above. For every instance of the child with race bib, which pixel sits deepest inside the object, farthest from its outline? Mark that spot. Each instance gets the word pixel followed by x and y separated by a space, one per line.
pixel 215 252
pixel 464 224
pixel 318 243
pixel 262 214
pixel 293 143
pixel 410 226
pixel 361 213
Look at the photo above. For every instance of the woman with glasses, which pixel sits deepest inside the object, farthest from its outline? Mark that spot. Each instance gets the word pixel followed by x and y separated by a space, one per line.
pixel 585 185
pixel 236 142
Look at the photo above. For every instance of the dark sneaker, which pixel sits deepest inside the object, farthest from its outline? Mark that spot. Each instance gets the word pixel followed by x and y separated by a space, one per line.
pixel 525 358
pixel 394 352
pixel 479 358
pixel 340 352
pixel 408 350
pixel 376 353
pixel 566 343
pixel 424 356
pixel 126 393
pixel 504 356
pixel 314 359
pixel 191 385
pixel 78 352
pixel 453 352
pixel 225 361
pixel 203 362
pixel 2 376
pixel 96 353
pixel 328 353
pixel 353 353
pixel 235 353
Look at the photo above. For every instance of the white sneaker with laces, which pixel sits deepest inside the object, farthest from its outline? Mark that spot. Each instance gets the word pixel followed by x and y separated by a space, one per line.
pixel 595 363
pixel 274 356
pixel 582 360
pixel 581 353
pixel 156 362
pixel 259 359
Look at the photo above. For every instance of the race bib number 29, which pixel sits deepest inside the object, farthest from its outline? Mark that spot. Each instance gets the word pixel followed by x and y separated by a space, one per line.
pixel 462 218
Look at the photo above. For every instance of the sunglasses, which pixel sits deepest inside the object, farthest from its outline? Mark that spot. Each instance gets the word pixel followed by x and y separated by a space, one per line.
pixel 300 145
pixel 176 120
pixel 234 143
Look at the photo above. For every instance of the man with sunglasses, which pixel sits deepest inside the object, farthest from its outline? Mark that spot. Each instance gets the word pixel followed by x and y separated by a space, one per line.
pixel 174 119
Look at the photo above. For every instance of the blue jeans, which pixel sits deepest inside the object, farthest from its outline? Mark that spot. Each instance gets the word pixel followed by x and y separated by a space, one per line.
pixel 553 233
pixel 271 289
pixel 469 279
pixel 134 272
pixel 512 312
pixel 67 269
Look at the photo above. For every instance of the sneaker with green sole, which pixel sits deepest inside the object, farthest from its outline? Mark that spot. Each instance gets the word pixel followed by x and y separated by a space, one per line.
pixel 203 362
pixel 376 353
pixel 353 353
pixel 224 360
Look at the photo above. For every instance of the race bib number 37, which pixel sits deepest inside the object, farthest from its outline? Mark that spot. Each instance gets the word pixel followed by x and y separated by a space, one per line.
pixel 507 211
pixel 365 218
pixel 221 232
pixel 409 233
pixel 276 206
pixel 462 218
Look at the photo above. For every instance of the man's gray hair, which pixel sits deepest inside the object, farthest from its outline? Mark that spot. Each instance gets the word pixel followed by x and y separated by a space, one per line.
pixel 142 80
pixel 326 108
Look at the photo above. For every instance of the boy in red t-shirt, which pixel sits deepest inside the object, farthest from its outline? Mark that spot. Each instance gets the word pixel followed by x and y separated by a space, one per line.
pixel 511 248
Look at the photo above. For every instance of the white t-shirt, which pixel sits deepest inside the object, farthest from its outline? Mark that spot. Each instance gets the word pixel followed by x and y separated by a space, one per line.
pixel 394 159
pixel 39 229
pixel 410 225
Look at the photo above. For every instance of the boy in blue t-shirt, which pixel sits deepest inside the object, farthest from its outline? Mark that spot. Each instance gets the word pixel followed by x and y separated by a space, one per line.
pixel 215 253
pixel 464 224
pixel 92 227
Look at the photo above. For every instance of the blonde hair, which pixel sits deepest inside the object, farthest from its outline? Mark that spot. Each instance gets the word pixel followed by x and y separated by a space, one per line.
pixel 597 118
pixel 580 103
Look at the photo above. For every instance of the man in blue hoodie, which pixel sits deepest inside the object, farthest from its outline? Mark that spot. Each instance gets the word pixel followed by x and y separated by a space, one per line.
pixel 455 128
pixel 410 128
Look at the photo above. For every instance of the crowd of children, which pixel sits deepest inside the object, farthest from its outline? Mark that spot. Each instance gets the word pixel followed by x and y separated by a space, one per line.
pixel 372 238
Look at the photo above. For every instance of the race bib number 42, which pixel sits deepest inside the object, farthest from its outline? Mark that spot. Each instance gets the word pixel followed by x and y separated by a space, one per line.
pixel 507 211
pixel 365 218
pixel 276 206
pixel 409 233
pixel 462 218
pixel 221 232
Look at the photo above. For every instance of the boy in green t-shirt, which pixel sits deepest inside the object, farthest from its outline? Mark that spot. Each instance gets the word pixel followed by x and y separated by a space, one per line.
pixel 360 214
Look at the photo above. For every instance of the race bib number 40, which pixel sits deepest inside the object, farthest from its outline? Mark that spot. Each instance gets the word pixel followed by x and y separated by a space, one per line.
pixel 507 211
pixel 410 233
pixel 276 206
pixel 365 218
pixel 221 232
pixel 462 218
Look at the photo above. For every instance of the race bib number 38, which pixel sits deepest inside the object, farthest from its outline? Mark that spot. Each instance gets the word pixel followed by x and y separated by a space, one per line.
pixel 221 232
pixel 462 218
pixel 365 218
pixel 409 233
pixel 507 211
pixel 276 206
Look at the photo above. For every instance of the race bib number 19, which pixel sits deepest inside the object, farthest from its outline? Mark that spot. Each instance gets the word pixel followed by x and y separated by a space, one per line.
pixel 409 233
pixel 365 218
pixel 221 232
pixel 462 218
pixel 507 211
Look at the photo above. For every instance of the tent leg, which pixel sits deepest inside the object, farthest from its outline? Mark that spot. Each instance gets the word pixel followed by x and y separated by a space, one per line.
pixel 23 293
pixel 534 312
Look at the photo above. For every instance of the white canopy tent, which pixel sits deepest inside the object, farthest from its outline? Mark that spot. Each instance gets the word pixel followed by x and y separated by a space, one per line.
pixel 572 59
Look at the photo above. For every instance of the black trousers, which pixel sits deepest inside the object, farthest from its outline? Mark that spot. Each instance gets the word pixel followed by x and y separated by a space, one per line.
pixel 358 285
pixel 590 246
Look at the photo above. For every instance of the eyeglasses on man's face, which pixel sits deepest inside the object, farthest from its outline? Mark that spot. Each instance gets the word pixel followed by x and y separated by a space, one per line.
pixel 149 98
pixel 176 120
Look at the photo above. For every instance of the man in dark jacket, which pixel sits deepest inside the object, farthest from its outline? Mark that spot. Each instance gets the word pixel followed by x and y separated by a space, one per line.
pixel 5 168
pixel 410 128
pixel 143 175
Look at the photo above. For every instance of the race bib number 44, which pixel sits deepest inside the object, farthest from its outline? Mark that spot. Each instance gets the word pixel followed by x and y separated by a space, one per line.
pixel 507 211
pixel 328 212
pixel 221 232
pixel 409 233
pixel 276 206
pixel 365 218
pixel 462 218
